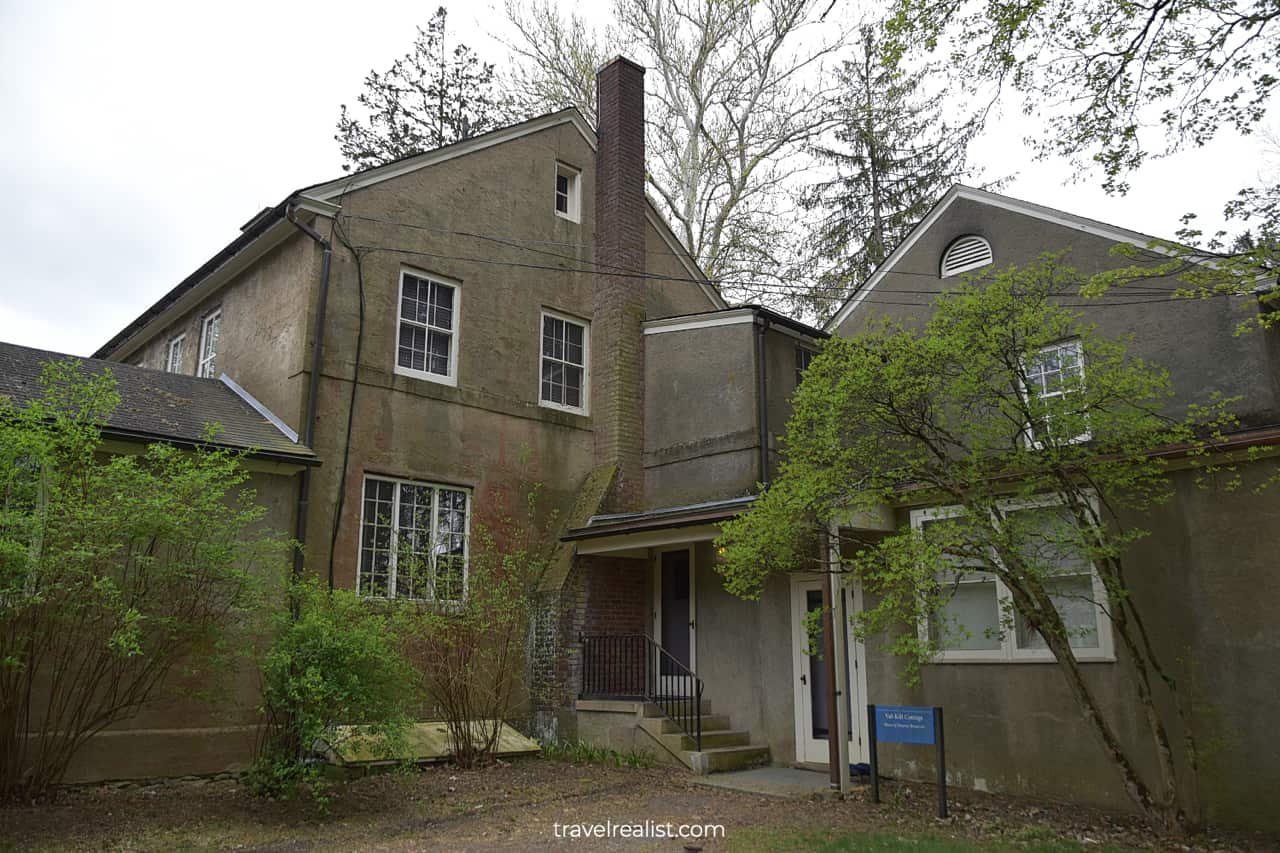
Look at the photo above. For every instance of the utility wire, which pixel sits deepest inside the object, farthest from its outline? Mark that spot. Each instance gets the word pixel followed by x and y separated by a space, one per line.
pixel 764 289
pixel 773 288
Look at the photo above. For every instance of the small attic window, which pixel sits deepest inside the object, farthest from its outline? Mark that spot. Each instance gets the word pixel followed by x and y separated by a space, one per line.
pixel 965 253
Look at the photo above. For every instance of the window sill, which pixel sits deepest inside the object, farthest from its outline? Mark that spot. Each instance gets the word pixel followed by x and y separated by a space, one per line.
pixel 568 217
pixel 450 380
pixel 1021 657
pixel 568 410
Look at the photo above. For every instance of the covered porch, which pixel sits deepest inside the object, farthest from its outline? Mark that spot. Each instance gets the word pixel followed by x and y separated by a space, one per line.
pixel 671 662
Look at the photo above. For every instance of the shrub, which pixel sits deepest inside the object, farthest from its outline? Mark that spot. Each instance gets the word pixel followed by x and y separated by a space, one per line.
pixel 470 653
pixel 116 572
pixel 335 672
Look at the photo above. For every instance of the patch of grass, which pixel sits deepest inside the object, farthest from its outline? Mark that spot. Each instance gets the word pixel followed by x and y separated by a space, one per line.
pixel 1030 840
pixel 577 752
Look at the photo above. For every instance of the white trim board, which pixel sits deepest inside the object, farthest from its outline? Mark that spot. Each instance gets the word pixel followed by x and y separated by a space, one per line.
pixel 959 191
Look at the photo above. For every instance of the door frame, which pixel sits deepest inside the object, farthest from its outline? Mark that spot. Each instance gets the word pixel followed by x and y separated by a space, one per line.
pixel 656 625
pixel 857 662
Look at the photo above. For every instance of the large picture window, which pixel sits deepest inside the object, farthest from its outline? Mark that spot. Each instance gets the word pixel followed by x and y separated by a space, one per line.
pixel 413 540
pixel 427 343
pixel 977 621
pixel 563 379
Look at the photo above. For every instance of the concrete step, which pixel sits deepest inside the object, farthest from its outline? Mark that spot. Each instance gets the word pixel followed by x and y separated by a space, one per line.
pixel 658 726
pixel 652 709
pixel 721 759
pixel 680 742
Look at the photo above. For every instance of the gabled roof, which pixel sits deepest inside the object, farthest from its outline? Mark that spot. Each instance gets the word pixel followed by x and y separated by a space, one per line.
pixel 159 406
pixel 1037 211
pixel 268 227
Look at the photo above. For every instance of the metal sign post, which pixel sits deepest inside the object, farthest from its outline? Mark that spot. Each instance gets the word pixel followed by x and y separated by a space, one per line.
pixel 907 724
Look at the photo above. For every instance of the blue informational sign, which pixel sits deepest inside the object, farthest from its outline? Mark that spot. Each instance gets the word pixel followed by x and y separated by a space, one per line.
pixel 904 724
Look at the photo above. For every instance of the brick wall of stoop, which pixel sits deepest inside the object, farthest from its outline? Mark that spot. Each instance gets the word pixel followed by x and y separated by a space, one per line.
pixel 600 595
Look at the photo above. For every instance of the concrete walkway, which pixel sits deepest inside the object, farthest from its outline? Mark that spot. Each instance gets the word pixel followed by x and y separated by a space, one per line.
pixel 785 782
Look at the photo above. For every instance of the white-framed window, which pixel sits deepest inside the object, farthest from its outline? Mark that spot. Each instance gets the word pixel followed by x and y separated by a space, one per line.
pixel 563 377
pixel 1055 372
pixel 966 253
pixel 209 326
pixel 413 540
pixel 804 358
pixel 978 623
pixel 427 327
pixel 568 197
pixel 174 353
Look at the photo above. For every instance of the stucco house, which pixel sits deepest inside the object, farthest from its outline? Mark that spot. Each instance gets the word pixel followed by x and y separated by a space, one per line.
pixel 1207 571
pixel 423 324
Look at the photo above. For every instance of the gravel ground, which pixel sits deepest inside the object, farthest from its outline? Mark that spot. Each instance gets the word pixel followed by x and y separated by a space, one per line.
pixel 518 807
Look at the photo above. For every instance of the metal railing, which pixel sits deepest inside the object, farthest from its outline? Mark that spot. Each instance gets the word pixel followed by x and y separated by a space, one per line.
pixel 635 667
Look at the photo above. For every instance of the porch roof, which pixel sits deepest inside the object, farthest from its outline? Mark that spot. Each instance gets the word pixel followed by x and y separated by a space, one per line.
pixel 662 518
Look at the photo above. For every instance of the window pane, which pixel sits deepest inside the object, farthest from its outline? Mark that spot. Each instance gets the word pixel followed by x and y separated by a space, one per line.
pixel 1052 543
pixel 1072 597
pixel 451 544
pixel 971 617
pixel 441 306
pixel 376 537
pixel 438 343
pixel 412 352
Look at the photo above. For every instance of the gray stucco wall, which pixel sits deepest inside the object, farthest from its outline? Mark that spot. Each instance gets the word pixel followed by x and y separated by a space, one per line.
pixel 1194 339
pixel 264 330
pixel 702 418
pixel 1205 581
pixel 745 657
pixel 177 733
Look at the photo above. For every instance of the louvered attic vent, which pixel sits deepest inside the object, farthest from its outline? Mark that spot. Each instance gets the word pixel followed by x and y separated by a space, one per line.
pixel 964 254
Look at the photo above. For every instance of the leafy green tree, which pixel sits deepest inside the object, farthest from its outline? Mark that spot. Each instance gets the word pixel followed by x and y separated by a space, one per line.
pixel 894 155
pixel 432 96
pixel 1040 481
pixel 118 573
pixel 1117 82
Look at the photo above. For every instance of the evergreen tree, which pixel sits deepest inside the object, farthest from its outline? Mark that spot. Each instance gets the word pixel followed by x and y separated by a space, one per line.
pixel 432 96
pixel 893 155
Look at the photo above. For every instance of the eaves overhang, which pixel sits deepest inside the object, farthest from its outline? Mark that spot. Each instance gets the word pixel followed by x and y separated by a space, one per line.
pixel 260 235
pixel 666 518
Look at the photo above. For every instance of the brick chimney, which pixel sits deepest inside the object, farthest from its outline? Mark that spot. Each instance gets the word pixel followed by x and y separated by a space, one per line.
pixel 617 379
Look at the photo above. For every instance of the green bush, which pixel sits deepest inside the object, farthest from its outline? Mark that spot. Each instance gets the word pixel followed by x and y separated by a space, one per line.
pixel 335 662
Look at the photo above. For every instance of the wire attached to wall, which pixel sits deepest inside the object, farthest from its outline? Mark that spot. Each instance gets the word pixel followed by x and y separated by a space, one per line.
pixel 358 256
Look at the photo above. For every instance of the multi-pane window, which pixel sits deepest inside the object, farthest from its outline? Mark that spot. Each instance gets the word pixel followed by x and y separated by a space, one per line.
pixel 173 355
pixel 977 620
pixel 567 199
pixel 413 540
pixel 564 363
pixel 209 344
pixel 427 343
pixel 804 357
pixel 1054 373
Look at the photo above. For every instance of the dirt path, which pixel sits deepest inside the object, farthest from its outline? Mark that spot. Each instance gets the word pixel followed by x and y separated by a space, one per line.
pixel 534 805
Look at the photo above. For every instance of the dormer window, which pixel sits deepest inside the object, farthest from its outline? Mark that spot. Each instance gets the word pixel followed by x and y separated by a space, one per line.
pixel 568 201
pixel 966 253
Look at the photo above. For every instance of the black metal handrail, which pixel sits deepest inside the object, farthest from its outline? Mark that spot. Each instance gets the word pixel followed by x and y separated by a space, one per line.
pixel 635 667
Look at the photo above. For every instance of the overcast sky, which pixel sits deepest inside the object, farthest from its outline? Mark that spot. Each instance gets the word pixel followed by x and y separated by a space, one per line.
pixel 135 139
